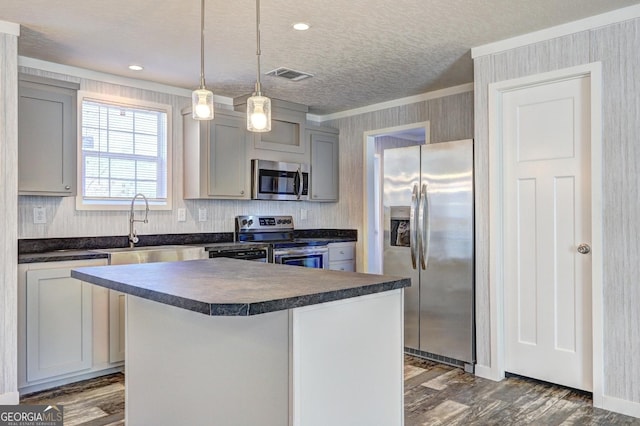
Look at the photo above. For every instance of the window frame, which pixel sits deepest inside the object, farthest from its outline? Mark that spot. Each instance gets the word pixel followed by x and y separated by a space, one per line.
pixel 123 204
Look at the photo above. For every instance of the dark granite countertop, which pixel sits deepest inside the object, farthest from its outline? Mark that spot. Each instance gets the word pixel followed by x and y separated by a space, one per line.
pixel 230 287
pixel 60 256
pixel 82 248
pixel 234 245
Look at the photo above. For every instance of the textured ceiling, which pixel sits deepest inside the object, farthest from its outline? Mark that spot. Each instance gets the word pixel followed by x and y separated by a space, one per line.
pixel 360 51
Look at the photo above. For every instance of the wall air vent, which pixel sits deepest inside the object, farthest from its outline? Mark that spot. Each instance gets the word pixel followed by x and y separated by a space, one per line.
pixel 289 74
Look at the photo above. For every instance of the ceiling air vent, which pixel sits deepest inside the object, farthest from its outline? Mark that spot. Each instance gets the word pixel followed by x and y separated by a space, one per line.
pixel 289 74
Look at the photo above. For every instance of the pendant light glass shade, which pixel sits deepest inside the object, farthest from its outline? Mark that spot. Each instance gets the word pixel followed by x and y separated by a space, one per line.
pixel 202 104
pixel 201 98
pixel 258 106
pixel 259 114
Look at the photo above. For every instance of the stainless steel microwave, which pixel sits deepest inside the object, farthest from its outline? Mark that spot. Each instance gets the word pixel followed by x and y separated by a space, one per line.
pixel 275 180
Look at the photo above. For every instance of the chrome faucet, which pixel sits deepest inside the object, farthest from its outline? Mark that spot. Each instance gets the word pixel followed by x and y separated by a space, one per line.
pixel 133 238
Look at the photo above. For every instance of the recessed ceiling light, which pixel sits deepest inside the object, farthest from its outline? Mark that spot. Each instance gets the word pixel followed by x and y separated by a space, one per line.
pixel 301 26
pixel 135 67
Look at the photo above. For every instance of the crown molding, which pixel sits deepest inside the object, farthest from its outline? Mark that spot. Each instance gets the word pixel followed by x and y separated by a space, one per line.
pixel 112 78
pixel 449 91
pixel 585 24
pixel 178 91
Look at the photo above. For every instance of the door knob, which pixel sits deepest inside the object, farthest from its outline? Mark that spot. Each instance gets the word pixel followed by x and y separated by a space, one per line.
pixel 584 248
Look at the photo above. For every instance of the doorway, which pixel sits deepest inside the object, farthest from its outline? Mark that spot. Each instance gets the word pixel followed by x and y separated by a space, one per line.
pixel 375 142
pixel 545 221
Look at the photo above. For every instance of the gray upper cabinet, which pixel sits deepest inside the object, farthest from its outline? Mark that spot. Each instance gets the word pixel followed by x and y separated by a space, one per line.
pixel 286 141
pixel 47 135
pixel 215 157
pixel 324 179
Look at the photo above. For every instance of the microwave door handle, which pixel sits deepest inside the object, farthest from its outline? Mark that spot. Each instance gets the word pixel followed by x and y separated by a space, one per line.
pixel 298 188
pixel 413 231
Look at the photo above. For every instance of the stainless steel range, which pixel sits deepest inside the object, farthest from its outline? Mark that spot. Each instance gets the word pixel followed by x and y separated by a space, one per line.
pixel 278 232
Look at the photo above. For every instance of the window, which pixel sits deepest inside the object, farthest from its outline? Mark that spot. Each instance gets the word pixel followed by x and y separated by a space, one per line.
pixel 125 146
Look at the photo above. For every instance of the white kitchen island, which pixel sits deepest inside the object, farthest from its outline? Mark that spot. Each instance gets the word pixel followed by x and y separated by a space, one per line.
pixel 230 342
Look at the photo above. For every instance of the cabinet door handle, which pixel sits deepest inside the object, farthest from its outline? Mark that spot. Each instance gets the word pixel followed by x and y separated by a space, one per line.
pixel 67 187
pixel 241 192
pixel 341 252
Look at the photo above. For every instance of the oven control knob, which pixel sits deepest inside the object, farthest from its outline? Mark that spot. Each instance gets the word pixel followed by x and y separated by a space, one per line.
pixel 250 222
pixel 244 222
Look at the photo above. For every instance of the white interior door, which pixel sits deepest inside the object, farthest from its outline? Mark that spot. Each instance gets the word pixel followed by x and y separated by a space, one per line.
pixel 547 216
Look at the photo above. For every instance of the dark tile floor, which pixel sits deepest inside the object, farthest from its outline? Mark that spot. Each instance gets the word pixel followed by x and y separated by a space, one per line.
pixel 435 394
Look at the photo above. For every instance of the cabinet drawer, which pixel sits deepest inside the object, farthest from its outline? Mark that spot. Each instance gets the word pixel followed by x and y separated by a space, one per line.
pixel 340 251
pixel 345 265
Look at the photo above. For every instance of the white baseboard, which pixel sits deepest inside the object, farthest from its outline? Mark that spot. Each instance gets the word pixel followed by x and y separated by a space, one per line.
pixel 622 406
pixel 609 403
pixel 487 372
pixel 48 383
pixel 10 398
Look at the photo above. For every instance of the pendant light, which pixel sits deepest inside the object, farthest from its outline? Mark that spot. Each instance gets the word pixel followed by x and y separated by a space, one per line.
pixel 201 98
pixel 258 106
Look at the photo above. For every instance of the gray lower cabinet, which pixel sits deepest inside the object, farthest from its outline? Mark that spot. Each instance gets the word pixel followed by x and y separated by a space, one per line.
pixel 342 256
pixel 47 111
pixel 58 324
pixel 116 325
pixel 64 332
pixel 215 157
pixel 324 180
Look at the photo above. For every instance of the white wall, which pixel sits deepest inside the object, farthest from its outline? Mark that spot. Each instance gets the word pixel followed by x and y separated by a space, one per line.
pixel 616 46
pixel 8 219
pixel 63 220
pixel 450 117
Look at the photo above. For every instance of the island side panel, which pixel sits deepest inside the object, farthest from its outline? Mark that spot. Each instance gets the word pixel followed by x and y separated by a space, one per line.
pixel 347 362
pixel 184 367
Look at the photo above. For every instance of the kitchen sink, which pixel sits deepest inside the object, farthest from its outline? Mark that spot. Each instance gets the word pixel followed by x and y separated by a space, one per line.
pixel 128 255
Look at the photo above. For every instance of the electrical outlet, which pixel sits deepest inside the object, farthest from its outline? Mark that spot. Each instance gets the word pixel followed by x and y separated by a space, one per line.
pixel 182 215
pixel 39 215
pixel 303 214
pixel 202 214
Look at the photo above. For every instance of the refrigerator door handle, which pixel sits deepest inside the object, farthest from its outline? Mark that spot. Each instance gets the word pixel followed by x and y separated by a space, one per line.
pixel 425 226
pixel 426 230
pixel 413 230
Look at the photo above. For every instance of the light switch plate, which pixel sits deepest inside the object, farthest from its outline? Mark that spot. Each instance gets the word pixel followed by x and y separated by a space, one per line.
pixel 202 214
pixel 39 215
pixel 182 215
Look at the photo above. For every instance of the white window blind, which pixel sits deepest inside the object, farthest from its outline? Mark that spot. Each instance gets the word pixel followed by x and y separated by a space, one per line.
pixel 124 152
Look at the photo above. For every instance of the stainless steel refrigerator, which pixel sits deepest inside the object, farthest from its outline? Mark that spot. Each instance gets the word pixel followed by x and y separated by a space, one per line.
pixel 428 236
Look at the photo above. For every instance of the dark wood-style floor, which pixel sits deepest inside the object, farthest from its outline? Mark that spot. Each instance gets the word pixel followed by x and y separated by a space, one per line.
pixel 435 394
pixel 95 402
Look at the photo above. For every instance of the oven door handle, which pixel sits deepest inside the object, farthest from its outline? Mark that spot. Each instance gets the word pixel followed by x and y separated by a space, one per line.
pixel 298 252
